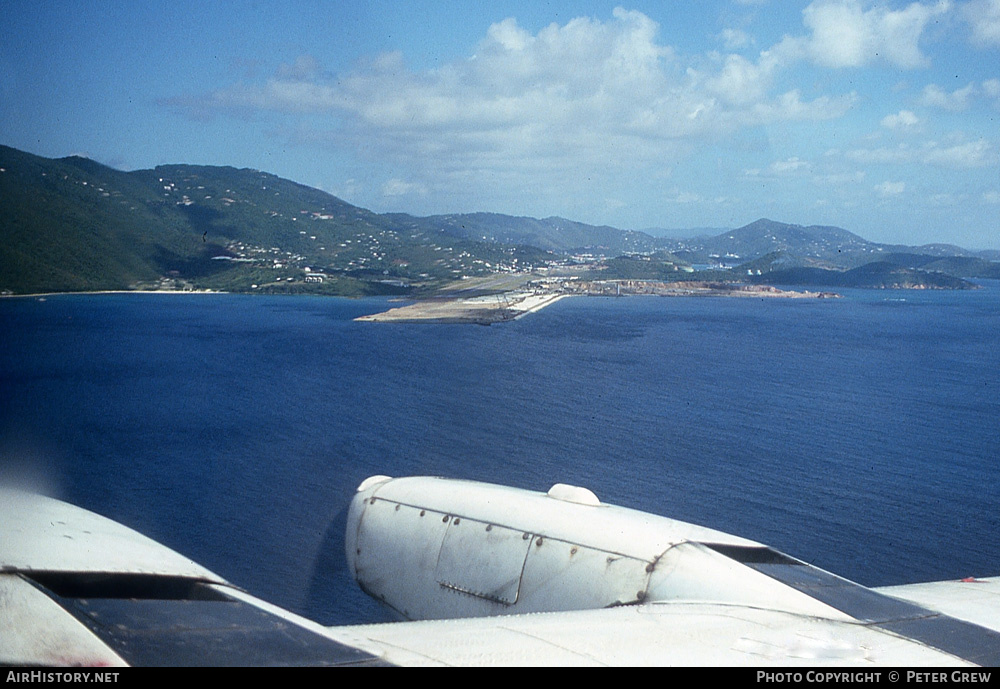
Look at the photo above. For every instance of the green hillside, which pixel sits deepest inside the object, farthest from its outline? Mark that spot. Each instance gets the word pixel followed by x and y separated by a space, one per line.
pixel 75 225
pixel 875 275
pixel 552 234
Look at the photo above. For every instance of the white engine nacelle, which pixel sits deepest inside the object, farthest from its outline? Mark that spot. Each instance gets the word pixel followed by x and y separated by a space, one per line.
pixel 435 548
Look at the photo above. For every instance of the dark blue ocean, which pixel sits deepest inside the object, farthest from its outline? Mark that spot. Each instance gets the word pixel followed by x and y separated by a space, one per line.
pixel 859 434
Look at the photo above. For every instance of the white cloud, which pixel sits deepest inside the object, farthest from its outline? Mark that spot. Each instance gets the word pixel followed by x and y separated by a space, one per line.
pixel 734 39
pixel 678 196
pixel 304 67
pixel 991 87
pixel 901 120
pixel 398 187
pixel 959 155
pixel 600 96
pixel 944 199
pixel 964 155
pixel 879 156
pixel 845 34
pixel 739 81
pixel 790 106
pixel 991 197
pixel 788 166
pixel 841 178
pixel 890 188
pixel 983 17
pixel 956 101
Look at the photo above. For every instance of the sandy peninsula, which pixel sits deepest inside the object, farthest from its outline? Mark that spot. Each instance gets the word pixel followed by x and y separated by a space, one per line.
pixel 481 310
pixel 508 306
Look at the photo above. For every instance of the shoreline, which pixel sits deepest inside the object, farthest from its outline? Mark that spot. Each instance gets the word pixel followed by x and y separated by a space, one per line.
pixel 509 306
pixel 542 303
pixel 35 295
pixel 497 308
pixel 623 288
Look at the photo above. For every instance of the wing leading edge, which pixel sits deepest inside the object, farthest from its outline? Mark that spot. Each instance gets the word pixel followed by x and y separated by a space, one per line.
pixel 77 589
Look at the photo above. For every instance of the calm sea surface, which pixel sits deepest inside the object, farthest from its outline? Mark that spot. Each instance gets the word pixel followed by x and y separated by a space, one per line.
pixel 859 434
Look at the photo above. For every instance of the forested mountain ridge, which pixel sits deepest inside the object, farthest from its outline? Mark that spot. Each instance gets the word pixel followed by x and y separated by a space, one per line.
pixel 72 224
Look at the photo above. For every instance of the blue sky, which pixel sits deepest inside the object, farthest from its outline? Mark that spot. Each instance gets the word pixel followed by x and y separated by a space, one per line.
pixel 879 117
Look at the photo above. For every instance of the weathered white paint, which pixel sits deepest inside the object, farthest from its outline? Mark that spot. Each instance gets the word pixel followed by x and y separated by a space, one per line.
pixel 45 534
pixel 698 606
pixel 434 548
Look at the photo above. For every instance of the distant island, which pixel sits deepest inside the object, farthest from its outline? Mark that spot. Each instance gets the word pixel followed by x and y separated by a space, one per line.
pixel 74 225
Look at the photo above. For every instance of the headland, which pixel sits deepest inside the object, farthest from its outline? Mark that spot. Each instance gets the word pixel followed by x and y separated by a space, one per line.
pixel 511 305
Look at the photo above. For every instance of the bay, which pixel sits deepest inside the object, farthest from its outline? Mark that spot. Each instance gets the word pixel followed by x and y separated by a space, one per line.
pixel 858 434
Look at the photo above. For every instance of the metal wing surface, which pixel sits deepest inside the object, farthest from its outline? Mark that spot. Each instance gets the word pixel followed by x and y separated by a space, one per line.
pixel 486 575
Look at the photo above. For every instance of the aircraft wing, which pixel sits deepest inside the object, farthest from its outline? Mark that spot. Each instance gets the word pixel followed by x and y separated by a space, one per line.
pixel 658 634
pixel 973 600
pixel 560 577
pixel 488 575
pixel 77 589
